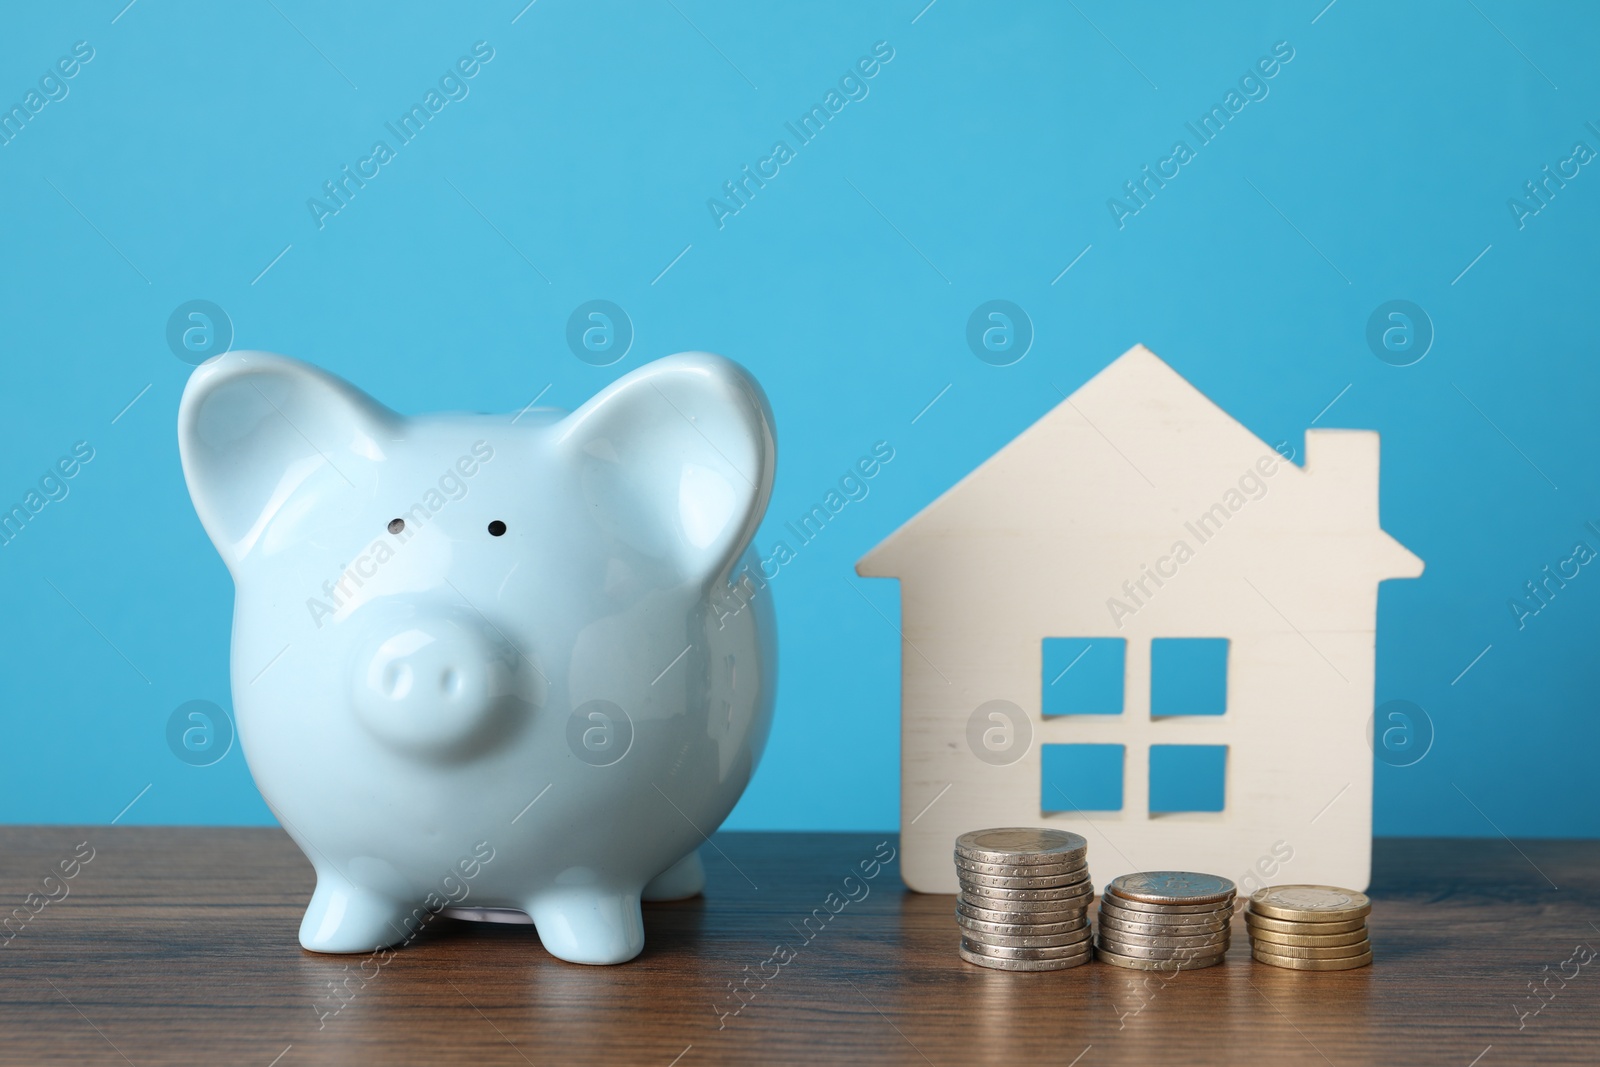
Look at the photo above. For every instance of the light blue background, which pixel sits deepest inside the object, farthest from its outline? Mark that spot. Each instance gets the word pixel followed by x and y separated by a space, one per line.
pixel 978 168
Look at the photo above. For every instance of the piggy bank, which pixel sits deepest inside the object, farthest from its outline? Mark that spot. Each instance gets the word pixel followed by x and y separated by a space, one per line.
pixel 491 661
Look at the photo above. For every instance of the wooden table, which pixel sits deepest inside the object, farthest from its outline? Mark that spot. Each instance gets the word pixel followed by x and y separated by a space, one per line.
pixel 177 946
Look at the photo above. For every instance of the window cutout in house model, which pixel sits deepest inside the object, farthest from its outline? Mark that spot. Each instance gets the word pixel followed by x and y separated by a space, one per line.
pixel 1188 778
pixel 1082 676
pixel 1188 676
pixel 1080 778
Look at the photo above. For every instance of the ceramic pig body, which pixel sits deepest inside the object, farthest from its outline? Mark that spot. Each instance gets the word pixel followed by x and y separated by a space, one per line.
pixel 491 660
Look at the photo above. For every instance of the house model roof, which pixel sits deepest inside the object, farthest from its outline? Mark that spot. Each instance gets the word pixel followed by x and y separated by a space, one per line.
pixel 1129 465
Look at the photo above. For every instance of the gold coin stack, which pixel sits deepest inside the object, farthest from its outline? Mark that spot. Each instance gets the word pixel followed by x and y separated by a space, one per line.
pixel 1024 902
pixel 1309 927
pixel 1165 921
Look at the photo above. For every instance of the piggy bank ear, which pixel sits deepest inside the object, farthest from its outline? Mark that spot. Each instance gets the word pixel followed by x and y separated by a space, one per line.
pixel 266 441
pixel 676 461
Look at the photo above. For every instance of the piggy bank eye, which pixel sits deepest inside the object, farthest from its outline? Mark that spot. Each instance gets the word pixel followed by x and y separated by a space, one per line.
pixel 396 525
pixel 497 528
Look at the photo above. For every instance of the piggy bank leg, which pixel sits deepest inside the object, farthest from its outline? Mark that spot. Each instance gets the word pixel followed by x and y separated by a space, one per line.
pixel 589 925
pixel 684 879
pixel 345 917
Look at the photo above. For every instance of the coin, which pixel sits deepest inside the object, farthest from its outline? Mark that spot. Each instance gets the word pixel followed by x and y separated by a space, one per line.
pixel 1123 938
pixel 1137 964
pixel 1291 926
pixel 1082 888
pixel 1018 870
pixel 1016 953
pixel 1165 909
pixel 1345 963
pixel 1109 906
pixel 1057 897
pixel 1310 903
pixel 1273 937
pixel 1166 888
pixel 984 927
pixel 988 931
pixel 1114 921
pixel 1020 845
pixel 1146 952
pixel 1030 918
pixel 1028 911
pixel 1031 908
pixel 1000 881
pixel 1111 909
pixel 989 940
pixel 998 963
pixel 1311 952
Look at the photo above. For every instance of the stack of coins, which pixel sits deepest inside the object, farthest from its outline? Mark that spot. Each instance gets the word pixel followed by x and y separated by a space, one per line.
pixel 1309 927
pixel 1165 921
pixel 1024 899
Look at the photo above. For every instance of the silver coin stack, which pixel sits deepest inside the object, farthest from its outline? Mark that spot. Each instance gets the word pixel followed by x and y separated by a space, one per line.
pixel 1024 903
pixel 1165 921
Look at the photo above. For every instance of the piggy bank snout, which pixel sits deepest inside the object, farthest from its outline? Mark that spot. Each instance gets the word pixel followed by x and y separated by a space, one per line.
pixel 435 684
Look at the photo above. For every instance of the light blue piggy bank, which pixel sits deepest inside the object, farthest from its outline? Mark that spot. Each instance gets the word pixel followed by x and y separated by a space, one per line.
pixel 491 661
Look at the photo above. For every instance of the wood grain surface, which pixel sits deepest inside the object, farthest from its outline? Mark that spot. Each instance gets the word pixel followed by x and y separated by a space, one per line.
pixel 177 946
